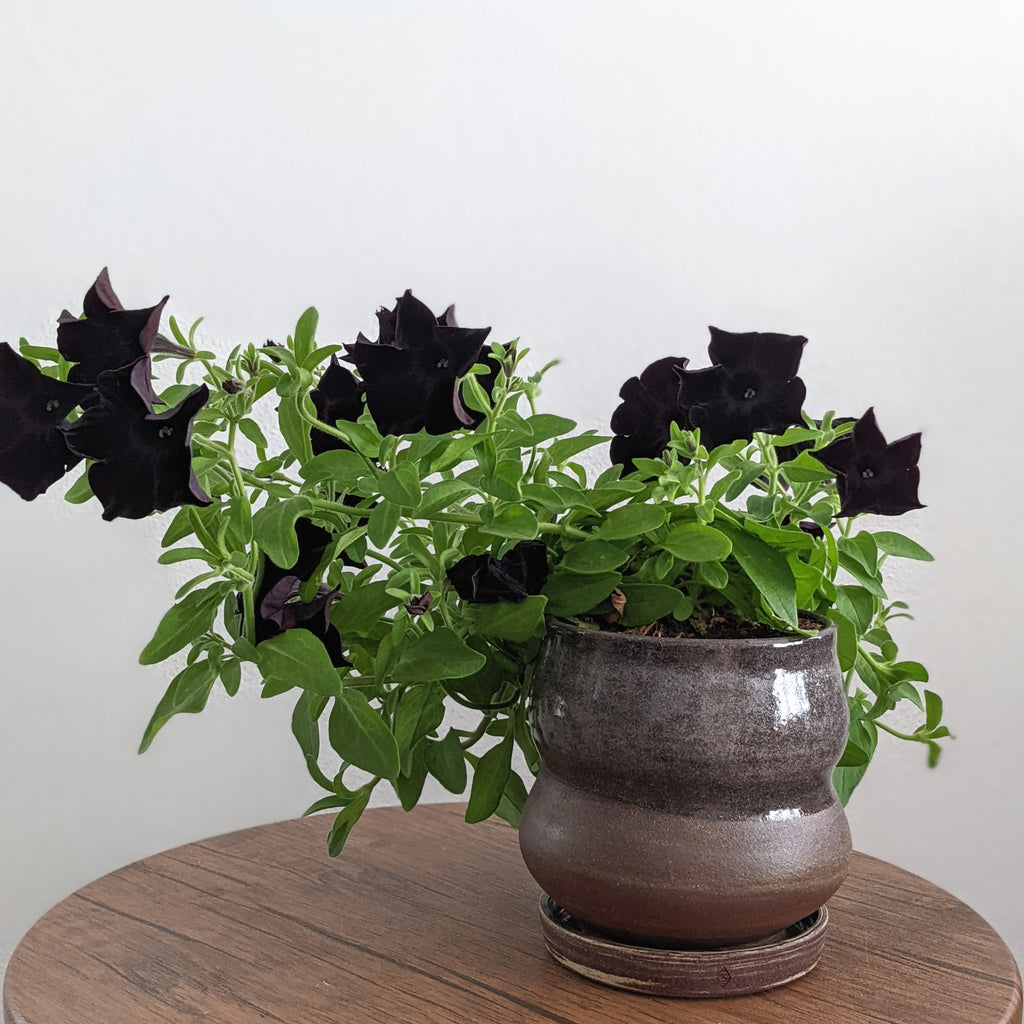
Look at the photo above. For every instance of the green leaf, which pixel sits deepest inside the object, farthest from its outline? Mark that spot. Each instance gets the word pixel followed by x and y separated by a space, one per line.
pixel 630 521
pixel 513 799
pixel 441 495
pixel 441 654
pixel 805 469
pixel 294 428
pixel 409 784
pixel 769 572
pixel 932 710
pixel 489 779
pixel 231 675
pixel 853 756
pixel 187 694
pixel 343 468
pixel 898 546
pixel 516 522
pixel 361 610
pixel 714 574
pixel 505 482
pixel 297 658
pixel 383 520
pixel 446 762
pixel 567 447
pixel 81 490
pixel 694 542
pixel 648 602
pixel 508 621
pixel 361 737
pixel 857 604
pixel 455 452
pixel 174 555
pixel 570 593
pixel 420 711
pixel 344 822
pixel 306 730
pixel 544 426
pixel 305 334
pixel 273 527
pixel 184 622
pixel 251 430
pixel 593 556
pixel 401 485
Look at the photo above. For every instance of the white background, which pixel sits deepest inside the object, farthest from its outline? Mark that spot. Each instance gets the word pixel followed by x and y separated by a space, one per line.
pixel 601 179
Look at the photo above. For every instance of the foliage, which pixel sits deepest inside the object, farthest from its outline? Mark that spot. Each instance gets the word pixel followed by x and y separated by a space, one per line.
pixel 378 571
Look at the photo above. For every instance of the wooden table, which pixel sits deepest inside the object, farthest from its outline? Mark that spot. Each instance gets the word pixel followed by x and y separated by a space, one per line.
pixel 426 919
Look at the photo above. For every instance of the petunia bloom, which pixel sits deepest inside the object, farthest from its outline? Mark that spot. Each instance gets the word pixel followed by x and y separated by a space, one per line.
pixel 484 579
pixel 33 407
pixel 142 460
pixel 751 386
pixel 113 338
pixel 650 404
pixel 871 475
pixel 410 374
pixel 281 610
pixel 337 396
pixel 276 598
pixel 421 604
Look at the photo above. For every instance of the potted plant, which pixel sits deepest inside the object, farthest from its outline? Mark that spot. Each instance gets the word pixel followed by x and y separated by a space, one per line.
pixel 414 536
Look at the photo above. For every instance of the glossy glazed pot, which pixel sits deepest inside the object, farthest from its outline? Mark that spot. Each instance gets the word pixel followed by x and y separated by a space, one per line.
pixel 685 797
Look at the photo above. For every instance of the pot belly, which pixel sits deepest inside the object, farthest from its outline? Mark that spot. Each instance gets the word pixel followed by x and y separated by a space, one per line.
pixel 661 877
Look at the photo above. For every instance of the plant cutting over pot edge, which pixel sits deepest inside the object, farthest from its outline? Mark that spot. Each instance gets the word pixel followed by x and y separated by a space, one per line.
pixel 419 529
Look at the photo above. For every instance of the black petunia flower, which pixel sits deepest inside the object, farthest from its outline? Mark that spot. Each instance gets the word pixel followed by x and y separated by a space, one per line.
pixel 650 403
pixel 337 396
pixel 281 609
pixel 872 476
pixel 410 374
pixel 420 605
pixel 484 579
pixel 276 598
pixel 33 407
pixel 113 338
pixel 751 387
pixel 142 459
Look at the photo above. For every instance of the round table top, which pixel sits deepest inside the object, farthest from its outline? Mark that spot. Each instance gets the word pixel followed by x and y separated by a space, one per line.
pixel 424 918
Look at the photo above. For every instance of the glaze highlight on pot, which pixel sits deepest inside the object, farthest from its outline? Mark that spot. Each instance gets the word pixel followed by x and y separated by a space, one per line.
pixel 685 797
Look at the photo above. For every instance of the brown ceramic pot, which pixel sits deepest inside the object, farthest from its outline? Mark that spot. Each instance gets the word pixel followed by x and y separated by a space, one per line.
pixel 685 797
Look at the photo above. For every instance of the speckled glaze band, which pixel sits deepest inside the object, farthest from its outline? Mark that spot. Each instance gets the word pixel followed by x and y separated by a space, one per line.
pixel 685 798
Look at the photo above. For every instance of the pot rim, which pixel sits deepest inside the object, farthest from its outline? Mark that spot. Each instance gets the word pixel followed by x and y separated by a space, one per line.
pixel 782 640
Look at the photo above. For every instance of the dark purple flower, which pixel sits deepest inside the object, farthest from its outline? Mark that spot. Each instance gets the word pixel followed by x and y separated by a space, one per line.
pixel 410 374
pixel 282 609
pixel 112 338
pixel 33 408
pixel 751 387
pixel 484 579
pixel 810 527
pixel 142 460
pixel 420 605
pixel 872 476
pixel 276 597
pixel 232 386
pixel 650 403
pixel 338 396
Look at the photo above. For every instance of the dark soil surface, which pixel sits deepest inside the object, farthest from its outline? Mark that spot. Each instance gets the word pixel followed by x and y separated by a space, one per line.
pixel 708 623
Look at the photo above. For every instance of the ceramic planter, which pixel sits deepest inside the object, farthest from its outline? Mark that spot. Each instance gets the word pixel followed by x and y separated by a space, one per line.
pixel 685 799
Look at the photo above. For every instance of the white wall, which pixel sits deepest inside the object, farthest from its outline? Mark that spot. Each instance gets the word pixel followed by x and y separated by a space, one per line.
pixel 602 179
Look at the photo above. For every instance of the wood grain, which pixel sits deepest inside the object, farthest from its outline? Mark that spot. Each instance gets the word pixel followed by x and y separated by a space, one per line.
pixel 426 919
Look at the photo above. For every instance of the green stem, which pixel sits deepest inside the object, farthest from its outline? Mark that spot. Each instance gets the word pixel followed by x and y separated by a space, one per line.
pixel 477 733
